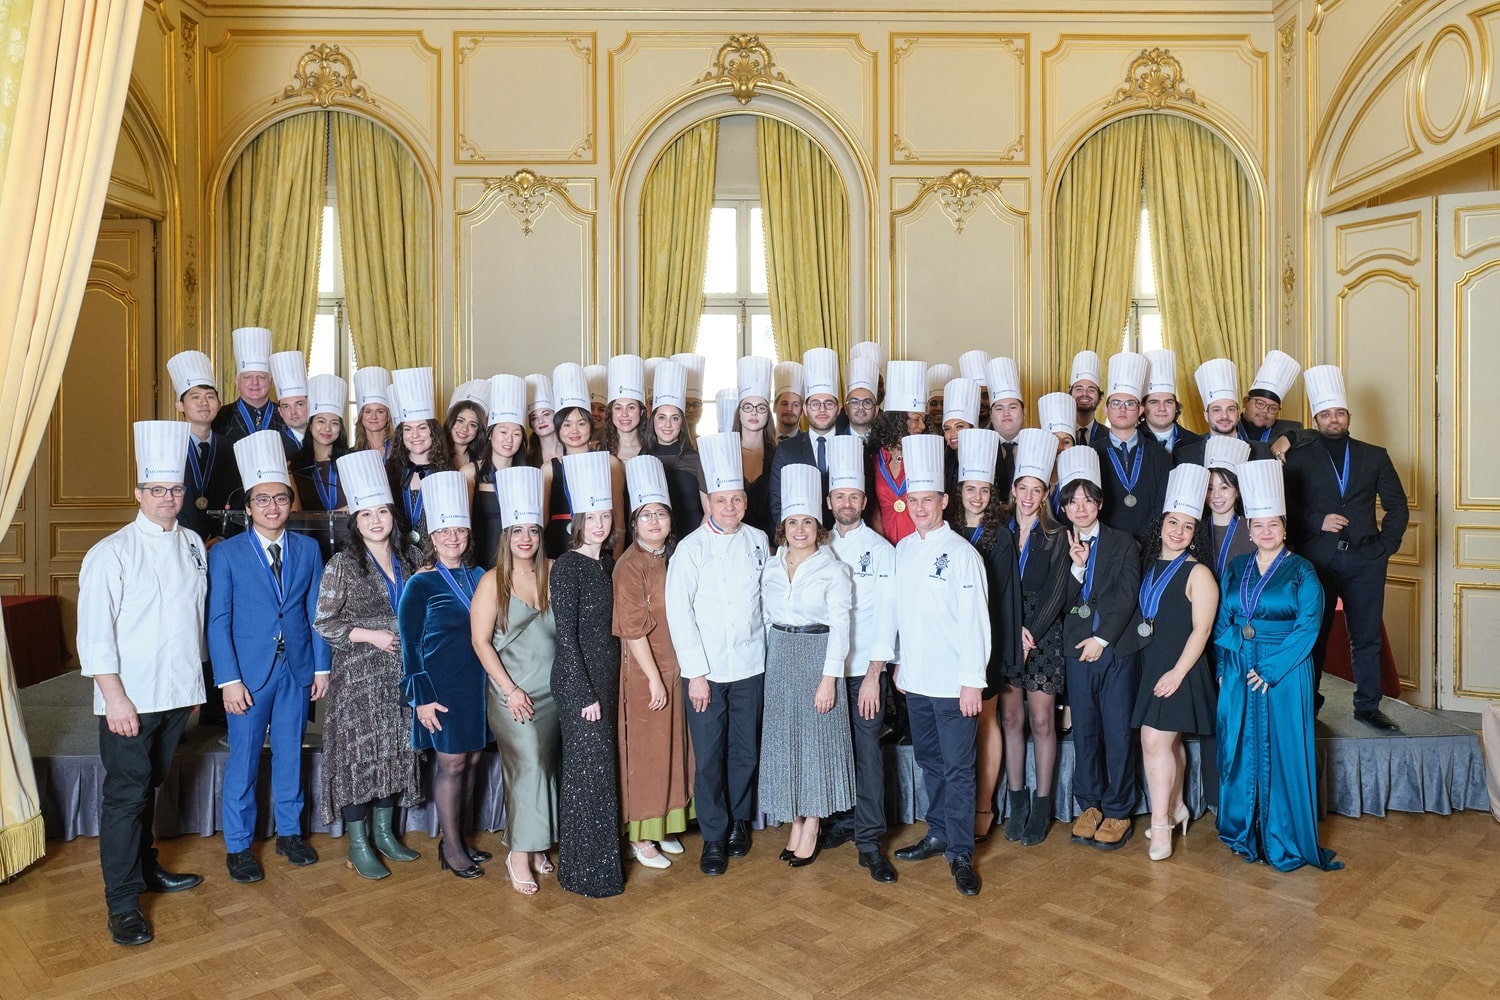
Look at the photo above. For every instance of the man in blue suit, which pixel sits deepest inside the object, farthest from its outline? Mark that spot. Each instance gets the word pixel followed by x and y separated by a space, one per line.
pixel 267 660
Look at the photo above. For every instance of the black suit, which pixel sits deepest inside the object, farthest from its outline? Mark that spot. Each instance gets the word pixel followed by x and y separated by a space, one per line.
pixel 1181 438
pixel 1194 452
pixel 1097 432
pixel 222 483
pixel 1152 464
pixel 1351 563
pixel 231 422
pixel 798 450
pixel 1267 435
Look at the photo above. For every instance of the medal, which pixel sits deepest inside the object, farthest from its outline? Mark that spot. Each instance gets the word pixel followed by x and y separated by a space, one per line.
pixel 899 506
pixel 1250 597
pixel 1084 611
pixel 1152 588
pixel 1248 631
pixel 414 535
pixel 1134 476
pixel 1144 630
pixel 1130 500
pixel 201 503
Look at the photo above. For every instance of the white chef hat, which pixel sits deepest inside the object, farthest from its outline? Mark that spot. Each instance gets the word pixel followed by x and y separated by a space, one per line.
pixel 726 404
pixel 588 481
pixel 362 476
pixel 864 373
pixel 1277 374
pixel 694 365
pixel 519 491
pixel 1217 379
pixel 507 400
pixel 261 459
pixel 669 386
pixel 977 450
pixel 1262 490
pixel 1086 368
pixel 922 454
pixel 161 450
pixel 327 394
pixel 1003 379
pixel 801 491
pixel 445 498
pixel 570 387
pixel 475 391
pixel 539 393
pixel 961 401
pixel 820 372
pixel 753 378
pixel 971 365
pixel 1325 389
pixel 1036 450
pixel 190 369
pixel 627 379
pixel 599 381
pixel 370 383
pixel 392 404
pixel 252 349
pixel 938 376
pixel 869 349
pixel 1057 413
pixel 413 395
pixel 787 377
pixel 723 467
pixel 1163 377
pixel 1187 487
pixel 846 463
pixel 1078 463
pixel 289 373
pixel 645 482
pixel 906 387
pixel 1225 451
pixel 1127 375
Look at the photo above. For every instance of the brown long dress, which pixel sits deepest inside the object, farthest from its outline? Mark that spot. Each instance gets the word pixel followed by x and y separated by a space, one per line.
pixel 656 760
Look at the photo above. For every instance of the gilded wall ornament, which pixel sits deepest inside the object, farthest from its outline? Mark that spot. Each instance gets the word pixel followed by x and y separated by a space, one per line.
pixel 325 74
pixel 958 195
pixel 744 63
pixel 525 195
pixel 1287 37
pixel 1154 77
pixel 1288 279
pixel 189 47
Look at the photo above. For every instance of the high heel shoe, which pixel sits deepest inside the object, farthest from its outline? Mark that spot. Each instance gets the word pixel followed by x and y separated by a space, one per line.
pixel 786 855
pixel 798 861
pixel 982 829
pixel 526 887
pixel 1161 847
pixel 473 871
pixel 1179 818
pixel 477 856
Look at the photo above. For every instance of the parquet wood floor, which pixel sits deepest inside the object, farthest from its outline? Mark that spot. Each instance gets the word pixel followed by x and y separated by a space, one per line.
pixel 1415 914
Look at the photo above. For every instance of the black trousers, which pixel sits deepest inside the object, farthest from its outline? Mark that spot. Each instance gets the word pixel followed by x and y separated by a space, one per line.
pixel 726 748
pixel 134 768
pixel 1106 751
pixel 1360 584
pixel 866 821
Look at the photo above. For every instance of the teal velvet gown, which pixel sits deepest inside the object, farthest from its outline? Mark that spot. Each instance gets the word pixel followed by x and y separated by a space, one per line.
pixel 1268 770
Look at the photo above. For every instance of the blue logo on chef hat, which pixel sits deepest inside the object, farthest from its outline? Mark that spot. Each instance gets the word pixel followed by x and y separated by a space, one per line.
pixel 445 518
pixel 259 472
pixel 598 500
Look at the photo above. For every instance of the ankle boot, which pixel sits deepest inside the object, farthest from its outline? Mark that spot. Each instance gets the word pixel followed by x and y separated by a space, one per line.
pixel 1019 807
pixel 384 835
pixel 1038 822
pixel 362 857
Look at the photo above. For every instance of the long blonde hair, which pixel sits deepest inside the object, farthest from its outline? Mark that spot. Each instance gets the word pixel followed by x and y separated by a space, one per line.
pixel 504 570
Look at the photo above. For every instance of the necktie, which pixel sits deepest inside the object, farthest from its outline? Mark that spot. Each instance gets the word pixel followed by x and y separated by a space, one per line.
pixel 275 550
pixel 1082 435
pixel 203 454
pixel 822 454
pixel 1008 452
pixel 1125 452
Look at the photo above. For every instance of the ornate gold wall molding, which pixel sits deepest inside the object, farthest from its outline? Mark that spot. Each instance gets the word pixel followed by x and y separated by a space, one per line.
pixel 958 194
pixel 1286 38
pixel 744 63
pixel 531 123
pixel 325 74
pixel 1154 78
pixel 936 78
pixel 190 281
pixel 525 194
pixel 189 47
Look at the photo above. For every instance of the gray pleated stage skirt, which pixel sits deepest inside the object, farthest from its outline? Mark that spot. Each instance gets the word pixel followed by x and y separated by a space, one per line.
pixel 806 759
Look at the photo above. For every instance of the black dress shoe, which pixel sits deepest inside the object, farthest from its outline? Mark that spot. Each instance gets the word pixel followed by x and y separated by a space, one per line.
pixel 714 860
pixel 158 879
pixel 798 861
pixel 786 855
pixel 297 850
pixel 477 856
pixel 129 928
pixel 928 847
pixel 1375 717
pixel 964 876
pixel 739 838
pixel 243 867
pixel 881 870
pixel 834 836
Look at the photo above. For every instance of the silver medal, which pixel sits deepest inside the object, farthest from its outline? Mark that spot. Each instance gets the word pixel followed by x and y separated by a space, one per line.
pixel 1144 630
pixel 1084 611
pixel 1130 500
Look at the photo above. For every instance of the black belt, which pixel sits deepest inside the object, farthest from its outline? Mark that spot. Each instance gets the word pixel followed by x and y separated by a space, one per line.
pixel 1341 545
pixel 802 629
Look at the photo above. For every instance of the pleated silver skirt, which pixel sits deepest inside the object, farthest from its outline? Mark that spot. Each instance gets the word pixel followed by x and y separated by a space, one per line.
pixel 806 759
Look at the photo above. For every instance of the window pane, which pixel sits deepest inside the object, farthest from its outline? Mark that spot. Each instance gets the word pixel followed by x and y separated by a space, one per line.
pixel 1150 331
pixel 758 284
pixel 762 338
pixel 721 276
pixel 328 261
pixel 1145 276
pixel 718 336
pixel 322 358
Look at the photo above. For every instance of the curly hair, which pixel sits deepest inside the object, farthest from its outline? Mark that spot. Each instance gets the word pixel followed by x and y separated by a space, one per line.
pixel 1201 547
pixel 994 518
pixel 479 448
pixel 888 430
pixel 401 550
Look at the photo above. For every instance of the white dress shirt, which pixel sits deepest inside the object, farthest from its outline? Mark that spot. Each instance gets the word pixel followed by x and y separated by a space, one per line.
pixel 942 614
pixel 820 593
pixel 872 563
pixel 713 604
pixel 140 615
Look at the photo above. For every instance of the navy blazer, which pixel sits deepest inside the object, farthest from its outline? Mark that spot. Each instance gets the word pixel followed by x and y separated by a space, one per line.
pixel 1312 492
pixel 1114 600
pixel 798 450
pixel 1150 491
pixel 245 617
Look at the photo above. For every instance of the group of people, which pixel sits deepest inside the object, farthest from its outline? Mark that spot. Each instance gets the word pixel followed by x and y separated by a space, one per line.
pixel 655 625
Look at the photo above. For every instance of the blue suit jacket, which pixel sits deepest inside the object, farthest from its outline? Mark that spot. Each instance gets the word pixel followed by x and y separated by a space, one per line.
pixel 245 616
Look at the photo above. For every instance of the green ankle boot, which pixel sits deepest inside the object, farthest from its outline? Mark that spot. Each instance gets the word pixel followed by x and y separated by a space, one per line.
pixel 384 835
pixel 362 857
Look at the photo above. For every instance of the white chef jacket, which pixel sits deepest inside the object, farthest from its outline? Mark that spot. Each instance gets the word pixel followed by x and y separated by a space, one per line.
pixel 140 615
pixel 872 563
pixel 713 603
pixel 821 593
pixel 942 614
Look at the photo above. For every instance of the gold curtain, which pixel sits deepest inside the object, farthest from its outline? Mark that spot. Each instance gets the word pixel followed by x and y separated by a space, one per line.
pixel 806 214
pixel 277 191
pixel 70 88
pixel 1097 218
pixel 1203 245
pixel 675 205
pixel 385 231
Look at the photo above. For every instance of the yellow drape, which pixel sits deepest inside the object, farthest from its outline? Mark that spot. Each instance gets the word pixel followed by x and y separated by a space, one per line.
pixel 675 205
pixel 806 214
pixel 1097 218
pixel 1203 244
pixel 15 19
pixel 385 230
pixel 277 192
pixel 73 78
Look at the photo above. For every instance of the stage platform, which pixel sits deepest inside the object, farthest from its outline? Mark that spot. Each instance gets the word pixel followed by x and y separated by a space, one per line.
pixel 1431 765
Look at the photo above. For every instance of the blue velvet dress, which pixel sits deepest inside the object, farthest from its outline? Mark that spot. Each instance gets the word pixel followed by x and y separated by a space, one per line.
pixel 439 663
pixel 1268 771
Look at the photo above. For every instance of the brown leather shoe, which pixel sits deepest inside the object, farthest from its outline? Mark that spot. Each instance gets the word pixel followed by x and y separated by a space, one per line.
pixel 1112 834
pixel 1086 826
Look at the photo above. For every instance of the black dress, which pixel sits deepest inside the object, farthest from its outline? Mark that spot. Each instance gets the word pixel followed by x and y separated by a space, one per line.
pixel 684 471
pixel 559 527
pixel 484 518
pixel 1191 708
pixel 1044 594
pixel 587 670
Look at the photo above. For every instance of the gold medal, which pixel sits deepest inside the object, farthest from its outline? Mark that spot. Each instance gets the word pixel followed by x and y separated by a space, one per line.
pixel 899 506
pixel 201 503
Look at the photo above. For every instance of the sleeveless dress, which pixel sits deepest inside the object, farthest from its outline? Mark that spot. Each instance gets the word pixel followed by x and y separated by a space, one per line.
pixel 528 751
pixel 486 526
pixel 1191 708
pixel 559 526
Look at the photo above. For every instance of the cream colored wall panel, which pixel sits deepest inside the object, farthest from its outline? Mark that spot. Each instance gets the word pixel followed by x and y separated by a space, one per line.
pixel 1477 294
pixel 836 73
pixel 1487 103
pixel 1381 361
pixel 1223 79
pixel 13 543
pixel 94 404
pixel 153 71
pixel 130 182
pixel 647 72
pixel 1338 29
pixel 1476 547
pixel 1410 552
pixel 1396 238
pixel 524 272
pixel 1477 620
pixel 960 267
pixel 960 98
pixel 1384 134
pixel 73 539
pixel 1444 87
pixel 525 97
pixel 1405 610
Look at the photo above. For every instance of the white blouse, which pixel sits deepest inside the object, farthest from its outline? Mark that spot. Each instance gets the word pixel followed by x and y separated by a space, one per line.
pixel 820 593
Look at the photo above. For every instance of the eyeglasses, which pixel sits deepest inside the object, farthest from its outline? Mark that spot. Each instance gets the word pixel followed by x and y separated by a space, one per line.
pixel 860 404
pixel 1124 404
pixel 164 491
pixel 1262 405
pixel 755 408
pixel 821 404
pixel 272 500
pixel 655 515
